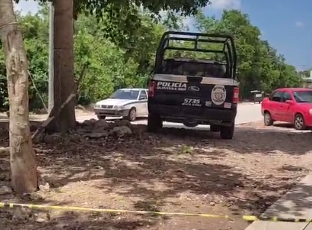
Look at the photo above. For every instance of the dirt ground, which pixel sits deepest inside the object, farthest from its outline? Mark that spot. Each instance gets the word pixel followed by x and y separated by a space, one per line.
pixel 176 170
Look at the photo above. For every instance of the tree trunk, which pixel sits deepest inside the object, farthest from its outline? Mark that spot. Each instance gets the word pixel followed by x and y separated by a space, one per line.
pixel 64 82
pixel 23 162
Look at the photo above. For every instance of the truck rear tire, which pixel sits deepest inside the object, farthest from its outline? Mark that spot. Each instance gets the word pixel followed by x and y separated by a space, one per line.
pixel 154 123
pixel 227 132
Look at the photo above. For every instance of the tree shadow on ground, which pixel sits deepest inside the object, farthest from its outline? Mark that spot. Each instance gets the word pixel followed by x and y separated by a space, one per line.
pixel 264 140
pixel 156 169
pixel 77 221
pixel 153 161
pixel 296 203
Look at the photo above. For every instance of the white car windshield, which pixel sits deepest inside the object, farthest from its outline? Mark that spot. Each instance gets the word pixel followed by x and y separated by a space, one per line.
pixel 126 94
pixel 303 96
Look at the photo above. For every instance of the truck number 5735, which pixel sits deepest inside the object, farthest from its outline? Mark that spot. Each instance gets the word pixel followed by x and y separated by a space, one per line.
pixel 191 102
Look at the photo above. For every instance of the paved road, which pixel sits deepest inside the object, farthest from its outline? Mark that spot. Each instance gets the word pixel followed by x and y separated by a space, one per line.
pixel 246 113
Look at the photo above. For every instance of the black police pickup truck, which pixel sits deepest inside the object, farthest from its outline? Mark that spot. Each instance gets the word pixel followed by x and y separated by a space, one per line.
pixel 195 91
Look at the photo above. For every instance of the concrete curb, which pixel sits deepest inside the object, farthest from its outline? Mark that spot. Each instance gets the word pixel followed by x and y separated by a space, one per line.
pixel 296 203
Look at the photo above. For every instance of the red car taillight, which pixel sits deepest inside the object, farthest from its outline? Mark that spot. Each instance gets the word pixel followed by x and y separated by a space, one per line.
pixel 151 89
pixel 236 95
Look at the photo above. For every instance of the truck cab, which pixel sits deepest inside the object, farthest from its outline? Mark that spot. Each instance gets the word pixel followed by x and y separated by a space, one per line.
pixel 192 90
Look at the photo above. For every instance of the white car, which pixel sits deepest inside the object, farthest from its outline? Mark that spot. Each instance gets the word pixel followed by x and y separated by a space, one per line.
pixel 126 103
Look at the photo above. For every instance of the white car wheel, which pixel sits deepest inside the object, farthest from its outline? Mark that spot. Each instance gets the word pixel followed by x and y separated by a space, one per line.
pixel 132 114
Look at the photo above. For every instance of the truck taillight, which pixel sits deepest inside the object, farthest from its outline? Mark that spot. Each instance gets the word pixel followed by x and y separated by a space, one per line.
pixel 236 95
pixel 151 88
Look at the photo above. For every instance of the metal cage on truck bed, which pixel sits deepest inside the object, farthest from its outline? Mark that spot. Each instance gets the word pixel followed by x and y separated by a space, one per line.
pixel 228 50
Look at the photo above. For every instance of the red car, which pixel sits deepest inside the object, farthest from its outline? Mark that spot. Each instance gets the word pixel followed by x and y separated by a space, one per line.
pixel 293 105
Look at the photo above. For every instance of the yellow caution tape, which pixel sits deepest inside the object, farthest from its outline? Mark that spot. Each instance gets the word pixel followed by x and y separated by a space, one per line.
pixel 82 209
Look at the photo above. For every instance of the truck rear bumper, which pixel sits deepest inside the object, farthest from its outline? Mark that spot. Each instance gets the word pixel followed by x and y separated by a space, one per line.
pixel 200 115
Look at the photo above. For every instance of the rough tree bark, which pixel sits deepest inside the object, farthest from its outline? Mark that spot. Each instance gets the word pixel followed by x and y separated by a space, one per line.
pixel 22 157
pixel 64 82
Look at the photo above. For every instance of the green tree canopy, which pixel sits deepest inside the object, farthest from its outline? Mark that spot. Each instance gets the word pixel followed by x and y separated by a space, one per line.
pixel 260 67
pixel 112 64
pixel 109 65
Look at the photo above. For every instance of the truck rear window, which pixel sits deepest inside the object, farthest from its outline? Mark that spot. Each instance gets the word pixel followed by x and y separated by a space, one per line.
pixel 193 68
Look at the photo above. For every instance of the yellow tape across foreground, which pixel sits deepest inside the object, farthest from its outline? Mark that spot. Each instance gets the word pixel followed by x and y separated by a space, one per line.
pixel 206 215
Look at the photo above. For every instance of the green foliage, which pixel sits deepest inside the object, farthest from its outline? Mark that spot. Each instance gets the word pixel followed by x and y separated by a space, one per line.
pixel 114 55
pixel 112 65
pixel 114 6
pixel 35 35
pixel 122 17
pixel 36 38
pixel 108 64
pixel 116 43
pixel 259 65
